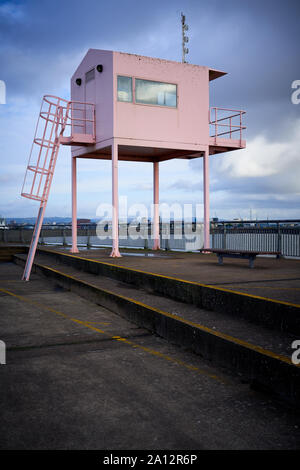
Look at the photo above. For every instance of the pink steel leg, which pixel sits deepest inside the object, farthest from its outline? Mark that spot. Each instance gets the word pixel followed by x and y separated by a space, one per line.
pixel 156 243
pixel 74 248
pixel 206 198
pixel 34 242
pixel 115 202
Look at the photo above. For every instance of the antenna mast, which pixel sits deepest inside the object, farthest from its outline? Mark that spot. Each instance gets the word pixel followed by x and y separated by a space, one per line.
pixel 185 38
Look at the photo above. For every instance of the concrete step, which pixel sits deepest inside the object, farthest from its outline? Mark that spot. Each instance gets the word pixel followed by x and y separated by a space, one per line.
pixel 257 354
pixel 278 315
pixel 7 252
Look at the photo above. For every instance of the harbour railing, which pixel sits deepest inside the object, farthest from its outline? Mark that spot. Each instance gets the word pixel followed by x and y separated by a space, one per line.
pixel 261 235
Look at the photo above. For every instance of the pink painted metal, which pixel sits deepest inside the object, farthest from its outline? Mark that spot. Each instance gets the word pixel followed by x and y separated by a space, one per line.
pixel 115 203
pixel 154 133
pixel 206 199
pixel 55 114
pixel 156 241
pixel 142 126
pixel 80 116
pixel 74 248
pixel 102 127
pixel 223 117
pixel 40 170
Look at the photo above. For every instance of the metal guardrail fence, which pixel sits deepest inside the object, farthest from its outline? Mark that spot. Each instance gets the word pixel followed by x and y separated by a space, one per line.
pixel 274 236
pixel 172 236
pixel 225 122
pixel 261 235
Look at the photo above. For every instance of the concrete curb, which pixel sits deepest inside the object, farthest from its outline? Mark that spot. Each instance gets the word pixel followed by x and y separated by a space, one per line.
pixel 274 314
pixel 270 372
pixel 7 252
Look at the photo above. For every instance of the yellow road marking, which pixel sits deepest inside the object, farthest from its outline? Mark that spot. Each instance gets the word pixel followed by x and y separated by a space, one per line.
pixel 281 302
pixel 268 287
pixel 118 338
pixel 219 334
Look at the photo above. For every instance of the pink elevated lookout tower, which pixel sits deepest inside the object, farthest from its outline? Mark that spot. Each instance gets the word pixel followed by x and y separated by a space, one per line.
pixel 134 108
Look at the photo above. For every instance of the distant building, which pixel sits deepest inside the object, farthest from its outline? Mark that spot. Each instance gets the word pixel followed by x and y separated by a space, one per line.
pixel 3 223
pixel 83 221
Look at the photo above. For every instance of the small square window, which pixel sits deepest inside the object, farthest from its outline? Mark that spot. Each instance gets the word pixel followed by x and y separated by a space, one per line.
pixel 124 89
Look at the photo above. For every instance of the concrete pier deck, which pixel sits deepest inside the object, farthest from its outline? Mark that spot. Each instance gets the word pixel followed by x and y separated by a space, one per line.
pixel 78 376
pixel 272 278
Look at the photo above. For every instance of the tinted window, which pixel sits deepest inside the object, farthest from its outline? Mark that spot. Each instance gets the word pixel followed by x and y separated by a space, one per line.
pixel 155 93
pixel 124 88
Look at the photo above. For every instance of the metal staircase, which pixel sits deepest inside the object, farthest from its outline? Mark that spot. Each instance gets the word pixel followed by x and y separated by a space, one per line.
pixel 56 114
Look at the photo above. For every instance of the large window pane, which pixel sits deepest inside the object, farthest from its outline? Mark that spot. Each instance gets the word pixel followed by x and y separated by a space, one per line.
pixel 124 88
pixel 156 93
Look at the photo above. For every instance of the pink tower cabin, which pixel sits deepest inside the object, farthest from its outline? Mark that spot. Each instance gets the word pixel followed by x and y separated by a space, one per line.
pixel 136 108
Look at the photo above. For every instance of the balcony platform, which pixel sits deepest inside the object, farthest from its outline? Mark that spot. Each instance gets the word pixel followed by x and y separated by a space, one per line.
pixel 78 139
pixel 220 145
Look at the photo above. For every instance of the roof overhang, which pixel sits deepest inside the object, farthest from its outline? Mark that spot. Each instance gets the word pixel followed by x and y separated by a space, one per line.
pixel 213 74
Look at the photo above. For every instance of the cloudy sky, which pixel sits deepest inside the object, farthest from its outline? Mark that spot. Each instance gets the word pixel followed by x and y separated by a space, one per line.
pixel 256 42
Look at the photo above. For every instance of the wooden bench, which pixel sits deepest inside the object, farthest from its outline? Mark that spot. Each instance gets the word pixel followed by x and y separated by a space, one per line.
pixel 244 254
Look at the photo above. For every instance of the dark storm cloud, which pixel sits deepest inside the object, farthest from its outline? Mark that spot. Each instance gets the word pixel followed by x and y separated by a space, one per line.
pixel 256 42
pixel 44 40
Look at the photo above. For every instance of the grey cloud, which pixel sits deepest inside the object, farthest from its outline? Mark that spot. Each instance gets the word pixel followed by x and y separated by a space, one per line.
pixel 41 42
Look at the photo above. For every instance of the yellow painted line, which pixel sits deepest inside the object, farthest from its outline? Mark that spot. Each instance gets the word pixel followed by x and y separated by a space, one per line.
pixel 232 339
pixel 273 288
pixel 119 338
pixel 281 302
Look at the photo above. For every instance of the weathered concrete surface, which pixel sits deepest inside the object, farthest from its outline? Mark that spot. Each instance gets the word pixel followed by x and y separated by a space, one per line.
pixel 277 279
pixel 80 377
pixel 260 356
pixel 274 314
pixel 7 251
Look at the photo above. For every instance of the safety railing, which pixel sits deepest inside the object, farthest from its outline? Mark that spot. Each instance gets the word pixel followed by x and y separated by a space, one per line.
pixel 226 123
pixel 80 117
pixel 50 126
pixel 56 115
pixel 265 235
pixel 272 236
pixel 77 116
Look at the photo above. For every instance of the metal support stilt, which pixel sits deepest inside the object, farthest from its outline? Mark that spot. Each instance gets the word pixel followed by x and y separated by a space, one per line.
pixel 156 242
pixel 34 242
pixel 74 248
pixel 115 202
pixel 206 198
